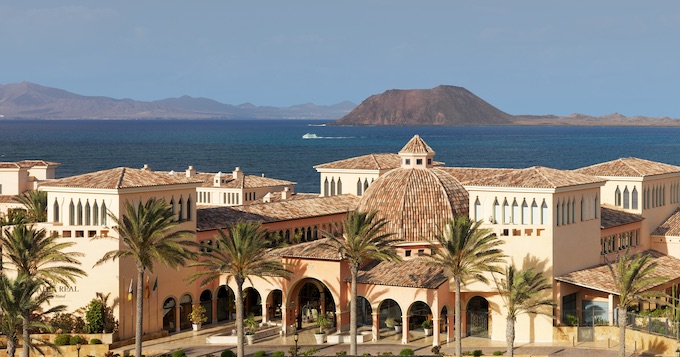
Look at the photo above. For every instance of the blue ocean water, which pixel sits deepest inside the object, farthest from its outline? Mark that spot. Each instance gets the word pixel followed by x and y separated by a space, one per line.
pixel 276 147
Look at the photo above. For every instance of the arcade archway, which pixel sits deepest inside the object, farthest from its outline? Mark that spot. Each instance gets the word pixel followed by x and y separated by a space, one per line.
pixel 225 304
pixel 478 317
pixel 169 322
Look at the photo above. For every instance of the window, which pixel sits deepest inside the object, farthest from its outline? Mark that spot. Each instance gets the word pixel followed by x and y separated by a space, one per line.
pixel 582 210
pixel 515 212
pixel 544 212
pixel 181 209
pixel 525 213
pixel 634 198
pixel 626 198
pixel 172 206
pixel 407 162
pixel 88 214
pixel 104 214
pixel 496 211
pixel 189 208
pixel 55 211
pixel 478 210
pixel 617 197
pixel 359 187
pixel 332 187
pixel 535 213
pixel 80 214
pixel 429 161
pixel 339 186
pixel 365 184
pixel 507 213
pixel 407 253
pixel 95 214
pixel 419 162
pixel 325 187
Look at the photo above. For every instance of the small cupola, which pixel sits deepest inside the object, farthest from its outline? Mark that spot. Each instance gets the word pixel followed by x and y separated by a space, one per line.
pixel 416 154
pixel 237 173
pixel 219 179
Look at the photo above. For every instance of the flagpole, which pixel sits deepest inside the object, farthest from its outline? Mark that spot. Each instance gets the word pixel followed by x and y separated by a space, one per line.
pixel 122 313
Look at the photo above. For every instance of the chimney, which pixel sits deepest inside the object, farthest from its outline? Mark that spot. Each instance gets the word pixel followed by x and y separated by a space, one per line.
pixel 146 168
pixel 219 179
pixel 237 173
pixel 267 198
pixel 191 171
pixel 285 194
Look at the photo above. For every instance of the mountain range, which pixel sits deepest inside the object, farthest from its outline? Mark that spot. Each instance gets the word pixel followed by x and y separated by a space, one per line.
pixel 456 106
pixel 27 100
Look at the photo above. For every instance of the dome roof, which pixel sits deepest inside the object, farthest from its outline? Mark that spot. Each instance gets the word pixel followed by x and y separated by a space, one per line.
pixel 416 202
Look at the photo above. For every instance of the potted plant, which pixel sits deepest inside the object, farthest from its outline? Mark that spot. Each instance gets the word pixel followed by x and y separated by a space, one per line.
pixel 197 317
pixel 427 327
pixel 251 325
pixel 322 321
pixel 391 322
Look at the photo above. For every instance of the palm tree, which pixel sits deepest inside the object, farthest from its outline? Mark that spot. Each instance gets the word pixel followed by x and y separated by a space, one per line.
pixel 465 252
pixel 20 299
pixel 363 238
pixel 521 293
pixel 13 217
pixel 240 254
pixel 147 235
pixel 35 202
pixel 631 276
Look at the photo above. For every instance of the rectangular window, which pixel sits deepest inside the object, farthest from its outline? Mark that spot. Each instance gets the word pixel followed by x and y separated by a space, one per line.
pixel 407 253
pixel 407 161
pixel 429 161
pixel 419 161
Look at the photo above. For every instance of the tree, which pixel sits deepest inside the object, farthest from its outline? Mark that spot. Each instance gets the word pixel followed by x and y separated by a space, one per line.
pixel 147 236
pixel 632 275
pixel 13 217
pixel 20 299
pixel 239 254
pixel 39 257
pixel 521 292
pixel 465 252
pixel 363 238
pixel 35 202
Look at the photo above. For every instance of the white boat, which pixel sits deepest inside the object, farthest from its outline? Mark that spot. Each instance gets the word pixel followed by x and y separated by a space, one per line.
pixel 310 136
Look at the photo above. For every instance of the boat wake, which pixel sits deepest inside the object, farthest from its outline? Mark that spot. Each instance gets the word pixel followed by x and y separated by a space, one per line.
pixel 314 136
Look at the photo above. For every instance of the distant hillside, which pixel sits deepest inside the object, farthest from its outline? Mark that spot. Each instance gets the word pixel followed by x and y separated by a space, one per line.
pixel 456 106
pixel 443 105
pixel 32 101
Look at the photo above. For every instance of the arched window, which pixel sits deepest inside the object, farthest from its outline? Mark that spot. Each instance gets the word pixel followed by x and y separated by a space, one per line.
pixel 544 212
pixel 339 186
pixel 478 210
pixel 80 214
pixel 55 211
pixel 568 220
pixel 366 184
pixel 525 213
pixel 617 197
pixel 325 187
pixel 634 198
pixel 189 208
pixel 95 214
pixel 573 210
pixel 496 211
pixel 359 187
pixel 172 206
pixel 557 214
pixel 626 198
pixel 582 208
pixel 88 214
pixel 333 187
pixel 597 206
pixel 507 213
pixel 105 214
pixel 181 209
pixel 564 213
pixel 535 213
pixel 516 214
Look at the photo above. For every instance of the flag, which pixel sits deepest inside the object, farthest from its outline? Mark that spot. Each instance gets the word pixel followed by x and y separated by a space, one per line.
pixel 130 291
pixel 147 291
pixel 155 285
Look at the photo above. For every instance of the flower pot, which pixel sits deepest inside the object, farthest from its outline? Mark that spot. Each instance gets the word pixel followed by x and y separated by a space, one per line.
pixel 319 338
pixel 196 327
pixel 397 328
pixel 250 339
pixel 428 331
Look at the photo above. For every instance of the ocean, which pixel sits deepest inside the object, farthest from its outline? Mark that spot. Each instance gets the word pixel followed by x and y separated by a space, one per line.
pixel 277 149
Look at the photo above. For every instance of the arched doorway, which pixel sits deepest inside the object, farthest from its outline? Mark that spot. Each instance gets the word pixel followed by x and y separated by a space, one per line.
pixel 184 311
pixel 274 302
pixel 364 312
pixel 478 317
pixel 206 302
pixel 389 309
pixel 252 302
pixel 444 320
pixel 169 323
pixel 225 303
pixel 419 313
pixel 315 298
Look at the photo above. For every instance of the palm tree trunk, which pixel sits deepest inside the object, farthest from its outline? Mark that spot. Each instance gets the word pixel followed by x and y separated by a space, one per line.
pixel 510 336
pixel 353 312
pixel 622 331
pixel 11 346
pixel 26 350
pixel 240 349
pixel 458 332
pixel 139 312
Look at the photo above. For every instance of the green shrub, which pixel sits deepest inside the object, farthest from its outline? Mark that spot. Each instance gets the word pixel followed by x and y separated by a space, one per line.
pixel 437 350
pixel 497 353
pixel 62 340
pixel 387 353
pixel 75 339
pixel 467 353
pixel 227 353
pixel 406 352
pixel 278 354
pixel 310 352
pixel 179 353
pixel 260 354
pixel 95 341
pixel 477 353
pixel 366 354
pixel 95 314
pixel 341 353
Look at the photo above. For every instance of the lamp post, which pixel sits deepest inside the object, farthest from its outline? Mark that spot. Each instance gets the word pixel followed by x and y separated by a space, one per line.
pixel 295 338
pixel 677 352
pixel 78 349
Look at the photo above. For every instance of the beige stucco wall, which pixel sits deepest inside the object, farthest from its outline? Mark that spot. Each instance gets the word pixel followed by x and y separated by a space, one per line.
pixel 349 179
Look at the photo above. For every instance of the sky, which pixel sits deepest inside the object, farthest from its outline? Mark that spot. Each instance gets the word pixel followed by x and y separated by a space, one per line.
pixel 524 57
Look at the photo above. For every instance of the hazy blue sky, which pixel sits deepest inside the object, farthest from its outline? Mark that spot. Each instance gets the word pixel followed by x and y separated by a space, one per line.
pixel 524 57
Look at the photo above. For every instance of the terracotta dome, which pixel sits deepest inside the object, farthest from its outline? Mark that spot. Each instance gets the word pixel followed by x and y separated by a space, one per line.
pixel 416 202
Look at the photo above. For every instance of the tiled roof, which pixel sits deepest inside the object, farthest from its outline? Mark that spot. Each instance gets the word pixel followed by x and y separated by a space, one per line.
pixel 220 217
pixel 467 174
pixel 629 167
pixel 416 273
pixel 8 199
pixel 535 177
pixel 26 164
pixel 599 278
pixel 276 196
pixel 671 227
pixel 365 162
pixel 612 217
pixel 318 249
pixel 119 178
pixel 416 146
pixel 415 202
pixel 246 181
